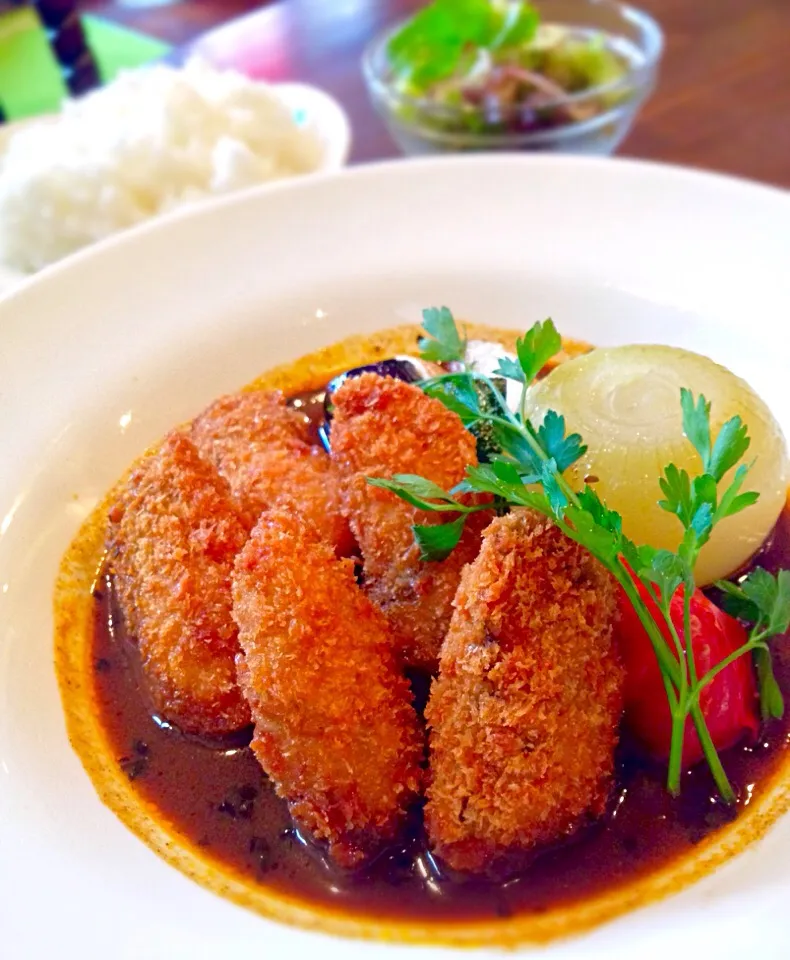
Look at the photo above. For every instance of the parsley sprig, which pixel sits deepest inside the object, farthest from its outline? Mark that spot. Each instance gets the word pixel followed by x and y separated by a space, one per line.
pixel 528 470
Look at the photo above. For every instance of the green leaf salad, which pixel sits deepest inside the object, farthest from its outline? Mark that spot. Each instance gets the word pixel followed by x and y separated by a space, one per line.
pixel 492 66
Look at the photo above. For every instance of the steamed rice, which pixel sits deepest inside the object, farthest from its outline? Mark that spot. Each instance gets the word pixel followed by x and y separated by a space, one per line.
pixel 149 142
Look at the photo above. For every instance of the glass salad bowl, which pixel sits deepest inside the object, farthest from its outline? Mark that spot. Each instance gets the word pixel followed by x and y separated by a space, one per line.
pixel 558 76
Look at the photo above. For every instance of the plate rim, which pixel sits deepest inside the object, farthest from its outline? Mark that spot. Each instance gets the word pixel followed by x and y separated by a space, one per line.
pixel 625 166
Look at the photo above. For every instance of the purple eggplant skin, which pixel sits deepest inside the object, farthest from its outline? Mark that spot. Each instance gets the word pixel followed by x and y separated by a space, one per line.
pixel 408 369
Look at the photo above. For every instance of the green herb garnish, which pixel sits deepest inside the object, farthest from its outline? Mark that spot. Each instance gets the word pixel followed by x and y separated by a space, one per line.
pixel 529 471
pixel 443 343
pixel 764 601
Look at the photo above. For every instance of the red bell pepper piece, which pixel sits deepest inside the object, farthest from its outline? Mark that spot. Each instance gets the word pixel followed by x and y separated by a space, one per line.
pixel 729 701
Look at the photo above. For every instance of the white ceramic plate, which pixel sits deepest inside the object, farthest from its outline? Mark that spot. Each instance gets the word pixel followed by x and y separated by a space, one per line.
pixel 310 106
pixel 101 354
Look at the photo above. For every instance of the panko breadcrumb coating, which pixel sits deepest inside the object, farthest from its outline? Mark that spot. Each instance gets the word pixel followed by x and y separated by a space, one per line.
pixel 381 427
pixel 174 534
pixel 524 715
pixel 261 446
pixel 335 728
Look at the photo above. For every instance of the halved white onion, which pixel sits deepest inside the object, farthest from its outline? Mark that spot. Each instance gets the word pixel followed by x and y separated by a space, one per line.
pixel 625 402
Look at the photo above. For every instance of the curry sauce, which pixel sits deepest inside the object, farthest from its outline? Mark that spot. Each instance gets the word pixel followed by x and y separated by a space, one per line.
pixel 209 809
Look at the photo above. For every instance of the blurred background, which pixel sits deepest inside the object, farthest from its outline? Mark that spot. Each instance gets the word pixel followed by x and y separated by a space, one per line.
pixel 723 101
pixel 241 94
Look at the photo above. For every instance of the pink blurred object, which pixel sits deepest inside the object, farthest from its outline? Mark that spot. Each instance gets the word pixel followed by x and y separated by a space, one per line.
pixel 257 45
pixel 311 41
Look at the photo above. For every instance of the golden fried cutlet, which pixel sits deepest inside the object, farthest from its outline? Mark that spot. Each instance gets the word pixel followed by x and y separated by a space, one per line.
pixel 261 446
pixel 524 714
pixel 381 427
pixel 174 534
pixel 334 725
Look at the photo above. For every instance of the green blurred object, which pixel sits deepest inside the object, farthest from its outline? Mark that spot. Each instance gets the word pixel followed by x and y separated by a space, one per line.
pixel 30 82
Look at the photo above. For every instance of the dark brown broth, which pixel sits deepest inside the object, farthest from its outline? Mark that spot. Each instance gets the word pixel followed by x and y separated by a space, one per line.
pixel 218 798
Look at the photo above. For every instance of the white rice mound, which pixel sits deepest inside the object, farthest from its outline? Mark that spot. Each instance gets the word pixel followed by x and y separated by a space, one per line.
pixel 153 140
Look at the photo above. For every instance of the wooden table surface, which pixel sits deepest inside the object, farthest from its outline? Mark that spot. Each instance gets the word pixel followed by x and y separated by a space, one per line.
pixel 723 100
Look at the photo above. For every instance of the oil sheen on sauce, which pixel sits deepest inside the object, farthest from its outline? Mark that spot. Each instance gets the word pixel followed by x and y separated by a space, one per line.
pixel 217 797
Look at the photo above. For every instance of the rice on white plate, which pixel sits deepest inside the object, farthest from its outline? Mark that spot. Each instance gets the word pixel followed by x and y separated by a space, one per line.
pixel 154 139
